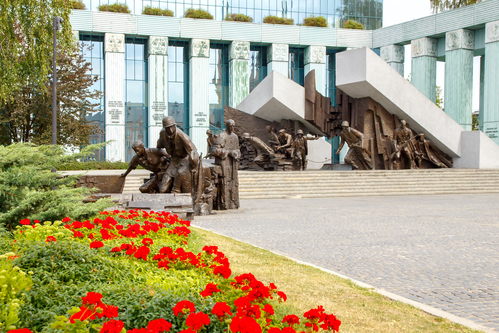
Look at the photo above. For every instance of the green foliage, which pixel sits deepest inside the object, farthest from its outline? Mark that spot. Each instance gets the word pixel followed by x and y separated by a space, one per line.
pixel 442 5
pixel 238 18
pixel 439 98
pixel 26 43
pixel 115 8
pixel 13 283
pixel 148 10
pixel 94 165
pixel 364 11
pixel 475 122
pixel 77 4
pixel 315 21
pixel 198 14
pixel 352 24
pixel 278 20
pixel 28 188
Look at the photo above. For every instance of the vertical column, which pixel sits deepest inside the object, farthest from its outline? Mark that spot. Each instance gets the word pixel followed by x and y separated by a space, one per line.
pixel 278 59
pixel 491 82
pixel 424 66
pixel 315 58
pixel 482 86
pixel 157 51
pixel 459 45
pixel 199 96
pixel 114 48
pixel 394 56
pixel 239 53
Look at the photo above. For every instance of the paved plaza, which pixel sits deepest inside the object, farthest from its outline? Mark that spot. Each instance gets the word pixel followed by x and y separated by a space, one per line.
pixel 442 251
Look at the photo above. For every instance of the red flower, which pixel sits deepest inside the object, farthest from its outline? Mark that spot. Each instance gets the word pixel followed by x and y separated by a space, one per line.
pixel 196 321
pixel 147 241
pixel 25 222
pixel 274 330
pixel 183 305
pixel 78 234
pixel 91 236
pixel 115 249
pixel 92 298
pixel 50 239
pixel 112 326
pixel 82 315
pixel 158 325
pixel 269 309
pixel 331 323
pixel 210 289
pixel 96 245
pixel 221 310
pixel 21 330
pixel 66 219
pixel 223 271
pixel 291 320
pixel 109 311
pixel 282 296
pixel 137 330
pixel 142 253
pixel 245 325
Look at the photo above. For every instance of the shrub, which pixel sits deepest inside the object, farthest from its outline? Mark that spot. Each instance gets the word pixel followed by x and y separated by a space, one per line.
pixel 115 8
pixel 76 4
pixel 148 10
pixel 198 14
pixel 94 165
pixel 278 20
pixel 351 24
pixel 238 17
pixel 315 21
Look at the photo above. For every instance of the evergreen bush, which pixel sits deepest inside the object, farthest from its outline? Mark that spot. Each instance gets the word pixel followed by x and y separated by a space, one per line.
pixel 115 8
pixel 94 165
pixel 148 10
pixel 238 18
pixel 278 20
pixel 315 21
pixel 352 24
pixel 198 14
pixel 76 4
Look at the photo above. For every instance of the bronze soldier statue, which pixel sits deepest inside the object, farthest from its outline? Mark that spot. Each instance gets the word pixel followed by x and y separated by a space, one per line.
pixel 152 159
pixel 211 141
pixel 357 156
pixel 183 158
pixel 300 149
pixel 285 143
pixel 264 153
pixel 425 150
pixel 403 143
pixel 273 138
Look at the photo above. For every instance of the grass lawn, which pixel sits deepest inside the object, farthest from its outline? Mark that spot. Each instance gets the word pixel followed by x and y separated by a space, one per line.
pixel 359 309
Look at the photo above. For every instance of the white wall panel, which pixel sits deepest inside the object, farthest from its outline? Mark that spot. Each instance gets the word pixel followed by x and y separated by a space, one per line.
pixel 115 106
pixel 149 25
pixel 114 22
pixel 81 20
pixel 158 95
pixel 355 38
pixel 243 31
pixel 199 101
pixel 200 29
pixel 317 36
pixel 280 34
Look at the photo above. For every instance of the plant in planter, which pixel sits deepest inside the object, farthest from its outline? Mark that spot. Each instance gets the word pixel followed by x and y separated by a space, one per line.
pixel 278 20
pixel 198 14
pixel 76 4
pixel 238 18
pixel 148 10
pixel 315 21
pixel 352 24
pixel 115 8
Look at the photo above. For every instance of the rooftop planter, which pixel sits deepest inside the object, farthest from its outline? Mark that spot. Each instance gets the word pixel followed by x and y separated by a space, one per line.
pixel 198 14
pixel 278 20
pixel 238 18
pixel 351 24
pixel 315 21
pixel 148 10
pixel 115 8
pixel 76 4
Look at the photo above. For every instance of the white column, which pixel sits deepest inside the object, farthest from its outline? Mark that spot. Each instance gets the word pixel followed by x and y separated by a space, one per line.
pixel 114 47
pixel 278 59
pixel 158 86
pixel 394 56
pixel 239 53
pixel 315 58
pixel 199 96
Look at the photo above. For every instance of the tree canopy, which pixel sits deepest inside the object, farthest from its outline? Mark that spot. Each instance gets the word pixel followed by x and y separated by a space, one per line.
pixel 442 5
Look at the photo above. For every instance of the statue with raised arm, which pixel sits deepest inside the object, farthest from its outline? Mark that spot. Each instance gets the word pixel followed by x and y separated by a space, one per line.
pixel 358 157
pixel 300 149
pixel 403 143
pixel 152 159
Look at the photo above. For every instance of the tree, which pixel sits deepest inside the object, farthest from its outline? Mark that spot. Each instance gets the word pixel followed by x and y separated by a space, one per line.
pixel 363 12
pixel 27 117
pixel 442 5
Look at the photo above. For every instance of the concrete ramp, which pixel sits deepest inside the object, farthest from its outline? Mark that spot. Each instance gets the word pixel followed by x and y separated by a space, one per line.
pixel 362 73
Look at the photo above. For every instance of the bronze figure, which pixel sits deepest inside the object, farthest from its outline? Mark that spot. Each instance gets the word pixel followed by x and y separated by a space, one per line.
pixel 300 149
pixel 426 151
pixel 285 143
pixel 264 154
pixel 227 154
pixel 358 157
pixel 273 138
pixel 403 143
pixel 211 141
pixel 183 158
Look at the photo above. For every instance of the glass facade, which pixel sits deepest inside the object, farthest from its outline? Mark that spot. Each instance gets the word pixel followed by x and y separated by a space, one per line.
pixel 178 83
pixel 93 52
pixel 135 93
pixel 296 65
pixel 257 65
pixel 331 76
pixel 367 12
pixel 219 85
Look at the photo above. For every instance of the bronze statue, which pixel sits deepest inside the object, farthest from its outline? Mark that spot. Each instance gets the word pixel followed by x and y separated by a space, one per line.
pixel 285 143
pixel 273 138
pixel 358 157
pixel 183 158
pixel 300 149
pixel 264 154
pixel 152 159
pixel 211 141
pixel 425 150
pixel 403 143
pixel 227 154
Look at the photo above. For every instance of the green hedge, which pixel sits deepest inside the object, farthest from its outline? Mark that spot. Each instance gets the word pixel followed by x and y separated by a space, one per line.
pixel 115 8
pixel 278 20
pixel 315 21
pixel 94 165
pixel 148 10
pixel 238 18
pixel 351 24
pixel 198 14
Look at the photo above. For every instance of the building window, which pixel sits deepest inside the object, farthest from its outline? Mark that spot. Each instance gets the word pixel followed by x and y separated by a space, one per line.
pixel 93 52
pixel 296 70
pixel 258 65
pixel 135 93
pixel 178 83
pixel 219 85
pixel 331 75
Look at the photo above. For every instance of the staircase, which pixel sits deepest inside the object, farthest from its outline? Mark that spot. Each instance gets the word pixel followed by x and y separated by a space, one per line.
pixel 319 184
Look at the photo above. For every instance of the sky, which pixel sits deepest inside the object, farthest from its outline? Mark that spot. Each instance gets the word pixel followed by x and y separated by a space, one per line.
pixel 399 11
